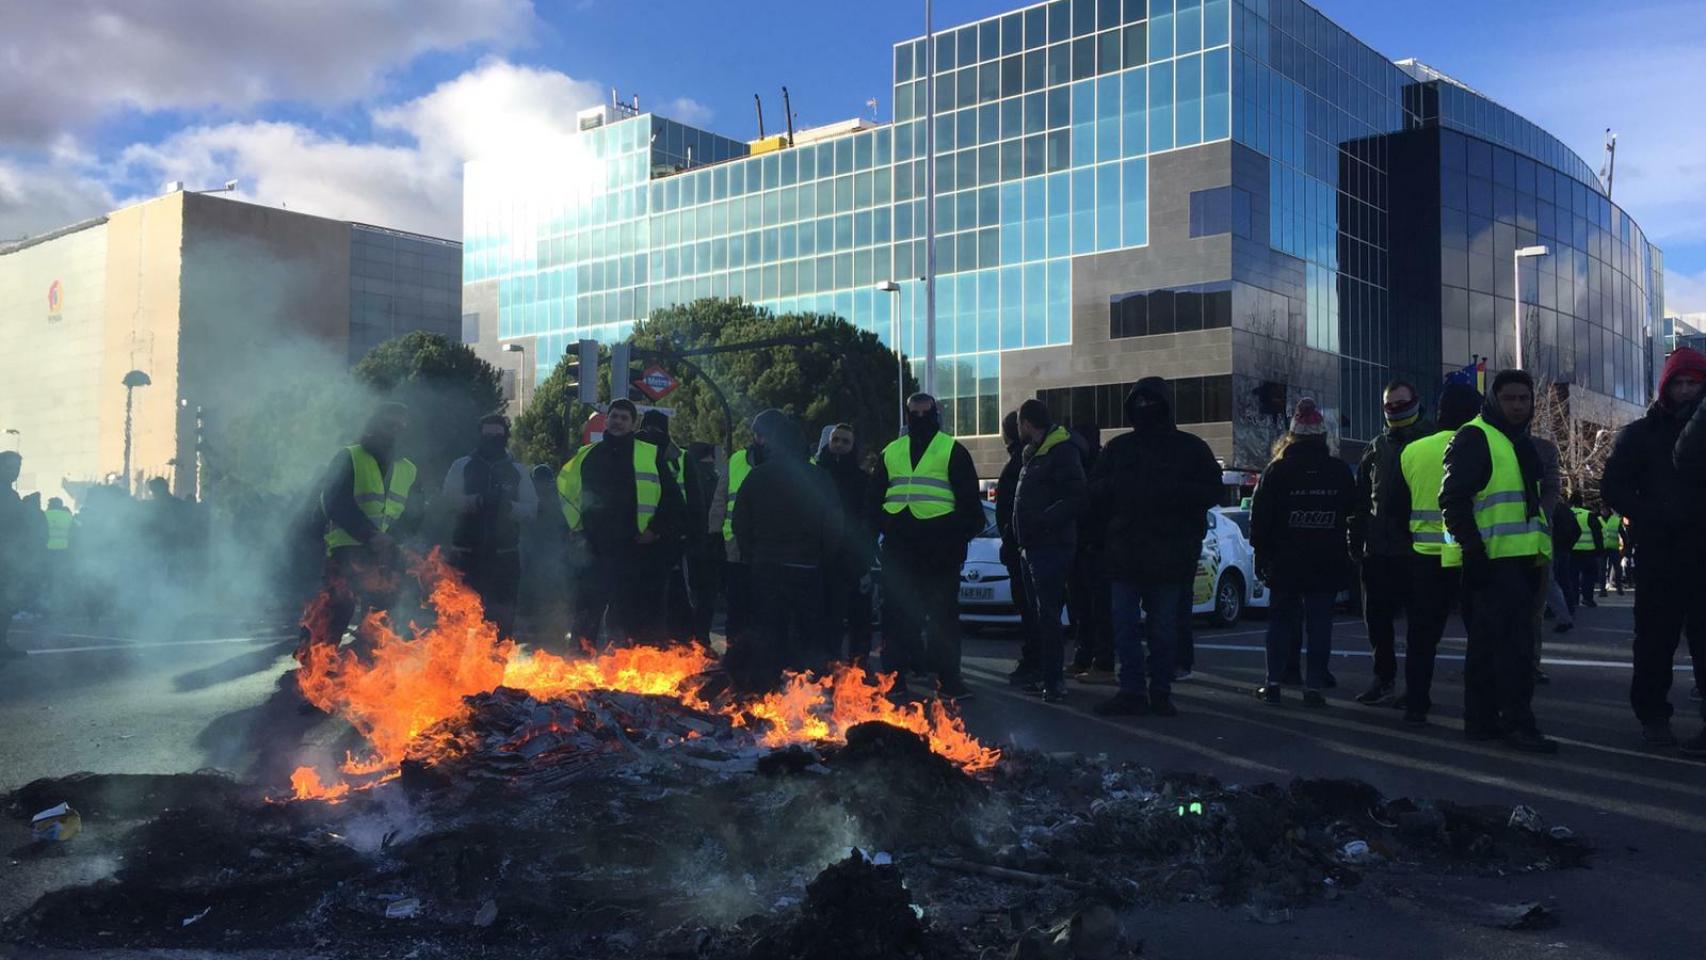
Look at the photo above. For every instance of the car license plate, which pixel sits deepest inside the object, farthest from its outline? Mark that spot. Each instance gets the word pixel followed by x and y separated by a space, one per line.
pixel 977 593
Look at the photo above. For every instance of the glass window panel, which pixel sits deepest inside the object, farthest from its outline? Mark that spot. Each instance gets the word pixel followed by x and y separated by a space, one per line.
pixel 1012 33
pixel 1036 26
pixel 1012 76
pixel 1083 211
pixel 1059 20
pixel 1216 22
pixel 1059 301
pixel 1036 70
pixel 1108 58
pixel 1108 206
pixel 1036 112
pixel 1083 17
pixel 1059 107
pixel 1160 105
pixel 1136 42
pixel 1059 215
pixel 1134 215
pixel 1135 117
pixel 1160 29
pixel 1083 58
pixel 1108 118
pixel 989 39
pixel 1217 101
pixel 1059 64
pixel 1188 121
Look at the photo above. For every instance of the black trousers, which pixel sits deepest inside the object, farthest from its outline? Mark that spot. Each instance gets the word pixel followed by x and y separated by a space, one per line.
pixel 705 575
pixel 787 603
pixel 921 609
pixel 496 577
pixel 1587 572
pixel 1498 669
pixel 1433 590
pixel 1564 571
pixel 1089 603
pixel 847 614
pixel 737 600
pixel 630 588
pixel 1666 606
pixel 1028 657
pixel 678 618
pixel 1046 571
pixel 1386 585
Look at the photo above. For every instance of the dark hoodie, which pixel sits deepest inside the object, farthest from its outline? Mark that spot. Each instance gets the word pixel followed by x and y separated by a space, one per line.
pixel 1656 472
pixel 1153 487
pixel 849 479
pixel 787 511
pixel 608 502
pixel 1468 468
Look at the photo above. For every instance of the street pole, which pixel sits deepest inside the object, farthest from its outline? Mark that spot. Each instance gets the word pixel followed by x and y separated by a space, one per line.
pixel 893 289
pixel 132 380
pixel 1538 250
pixel 929 199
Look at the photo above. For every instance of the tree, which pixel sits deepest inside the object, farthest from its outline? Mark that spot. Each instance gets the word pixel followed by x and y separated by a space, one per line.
pixel 840 374
pixel 446 387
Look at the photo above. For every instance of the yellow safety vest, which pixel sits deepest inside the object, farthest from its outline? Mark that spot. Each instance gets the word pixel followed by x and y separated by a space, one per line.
pixel 648 487
pixel 1055 437
pixel 739 466
pixel 58 528
pixel 1584 539
pixel 1501 508
pixel 922 489
pixel 1613 527
pixel 380 498
pixel 1423 465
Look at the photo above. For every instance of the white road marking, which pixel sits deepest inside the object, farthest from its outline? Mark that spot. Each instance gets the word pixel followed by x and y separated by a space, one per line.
pixel 1552 661
pixel 157 643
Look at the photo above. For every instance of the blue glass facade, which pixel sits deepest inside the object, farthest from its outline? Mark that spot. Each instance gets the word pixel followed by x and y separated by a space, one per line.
pixel 1250 166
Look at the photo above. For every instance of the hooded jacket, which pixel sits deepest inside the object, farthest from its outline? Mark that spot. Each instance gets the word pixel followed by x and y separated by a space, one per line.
pixel 1152 487
pixel 1050 494
pixel 1377 526
pixel 1298 519
pixel 1005 486
pixel 1468 468
pixel 787 512
pixel 856 544
pixel 1656 473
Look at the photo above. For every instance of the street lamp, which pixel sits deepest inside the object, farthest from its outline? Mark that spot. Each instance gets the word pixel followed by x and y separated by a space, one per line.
pixel 929 198
pixel 520 372
pixel 1539 250
pixel 889 286
pixel 132 380
pixel 17 440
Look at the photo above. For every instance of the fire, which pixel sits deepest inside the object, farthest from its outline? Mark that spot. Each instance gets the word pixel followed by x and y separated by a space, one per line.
pixel 402 687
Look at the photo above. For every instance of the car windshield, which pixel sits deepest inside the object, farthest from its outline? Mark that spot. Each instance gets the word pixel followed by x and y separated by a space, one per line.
pixel 989 531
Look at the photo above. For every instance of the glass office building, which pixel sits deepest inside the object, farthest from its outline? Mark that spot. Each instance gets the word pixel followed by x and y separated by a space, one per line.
pixel 1233 194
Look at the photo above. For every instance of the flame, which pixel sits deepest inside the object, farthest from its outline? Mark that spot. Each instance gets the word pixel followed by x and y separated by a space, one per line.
pixel 402 687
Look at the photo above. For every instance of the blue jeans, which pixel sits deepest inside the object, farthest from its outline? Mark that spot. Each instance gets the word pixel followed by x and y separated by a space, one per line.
pixel 1160 603
pixel 1315 610
pixel 1046 572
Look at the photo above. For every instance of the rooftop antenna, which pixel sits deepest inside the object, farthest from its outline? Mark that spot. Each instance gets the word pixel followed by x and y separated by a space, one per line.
pixel 1610 169
pixel 872 103
pixel 760 104
pixel 788 115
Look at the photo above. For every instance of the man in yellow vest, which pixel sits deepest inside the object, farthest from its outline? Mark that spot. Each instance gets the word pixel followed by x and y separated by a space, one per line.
pixel 1585 552
pixel 923 498
pixel 1611 560
pixel 1435 574
pixel 56 568
pixel 370 501
pixel 620 498
pixel 1490 503
pixel 736 572
pixel 679 619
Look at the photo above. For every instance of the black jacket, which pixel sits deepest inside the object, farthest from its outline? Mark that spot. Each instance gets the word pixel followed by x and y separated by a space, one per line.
pixel 1153 488
pixel 1565 530
pixel 608 503
pixel 1379 526
pixel 1656 477
pixel 1468 467
pixel 946 535
pixel 856 544
pixel 1050 495
pixel 787 511
pixel 1298 518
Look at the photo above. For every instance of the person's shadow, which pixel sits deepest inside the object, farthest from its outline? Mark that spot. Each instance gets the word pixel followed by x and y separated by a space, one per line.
pixel 253 661
pixel 265 742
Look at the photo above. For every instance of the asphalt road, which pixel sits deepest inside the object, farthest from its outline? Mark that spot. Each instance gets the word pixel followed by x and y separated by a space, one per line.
pixel 224 699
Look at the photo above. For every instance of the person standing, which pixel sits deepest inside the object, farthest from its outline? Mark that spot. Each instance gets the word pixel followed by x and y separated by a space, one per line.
pixel 1050 496
pixel 1611 561
pixel 1299 520
pixel 20 533
pixel 705 545
pixel 923 497
pixel 56 566
pixel 847 575
pixel 1656 477
pixel 369 501
pixel 788 526
pixel 491 498
pixel 548 588
pixel 737 575
pixel 1490 502
pixel 1435 572
pixel 1028 670
pixel 1551 494
pixel 1153 486
pixel 1380 534
pixel 620 496
pixel 678 598
pixel 1087 597
pixel 1559 595
pixel 1584 553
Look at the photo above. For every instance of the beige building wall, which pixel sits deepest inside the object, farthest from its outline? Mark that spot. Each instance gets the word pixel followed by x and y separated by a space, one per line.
pixel 50 358
pixel 144 260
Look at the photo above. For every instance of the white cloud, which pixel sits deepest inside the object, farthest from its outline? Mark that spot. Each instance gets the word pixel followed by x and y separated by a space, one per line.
pixel 687 110
pixel 68 62
pixel 1685 296
pixel 35 197
pixel 494 108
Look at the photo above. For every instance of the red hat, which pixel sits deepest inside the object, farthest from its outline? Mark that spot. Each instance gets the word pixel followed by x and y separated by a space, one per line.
pixel 1307 419
pixel 1682 360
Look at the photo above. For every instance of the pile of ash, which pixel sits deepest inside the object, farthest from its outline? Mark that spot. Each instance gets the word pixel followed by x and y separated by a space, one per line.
pixel 876 847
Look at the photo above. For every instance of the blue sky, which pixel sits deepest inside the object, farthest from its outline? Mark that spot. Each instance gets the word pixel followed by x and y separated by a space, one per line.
pixel 367 108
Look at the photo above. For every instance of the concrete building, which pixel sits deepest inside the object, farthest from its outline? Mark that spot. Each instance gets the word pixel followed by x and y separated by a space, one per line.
pixel 206 296
pixel 1236 195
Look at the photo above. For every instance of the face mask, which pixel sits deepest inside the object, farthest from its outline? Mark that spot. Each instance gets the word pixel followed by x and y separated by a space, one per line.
pixel 920 423
pixel 491 448
pixel 379 444
pixel 1151 414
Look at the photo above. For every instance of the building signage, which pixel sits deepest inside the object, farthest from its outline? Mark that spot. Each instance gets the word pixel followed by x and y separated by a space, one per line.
pixel 55 301
pixel 656 382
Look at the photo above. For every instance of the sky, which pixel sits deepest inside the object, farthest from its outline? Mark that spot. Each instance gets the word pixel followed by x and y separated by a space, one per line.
pixel 367 109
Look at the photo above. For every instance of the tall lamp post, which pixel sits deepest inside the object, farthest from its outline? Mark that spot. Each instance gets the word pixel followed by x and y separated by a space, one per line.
pixel 890 287
pixel 17 440
pixel 1539 250
pixel 132 380
pixel 929 199
pixel 520 373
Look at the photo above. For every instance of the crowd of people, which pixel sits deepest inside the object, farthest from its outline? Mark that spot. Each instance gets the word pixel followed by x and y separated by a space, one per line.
pixel 639 539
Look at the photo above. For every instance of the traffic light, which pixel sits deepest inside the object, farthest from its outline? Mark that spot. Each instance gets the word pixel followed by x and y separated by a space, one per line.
pixel 621 373
pixel 582 359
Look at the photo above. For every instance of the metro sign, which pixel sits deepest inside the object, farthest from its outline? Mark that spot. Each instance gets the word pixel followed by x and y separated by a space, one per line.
pixel 656 382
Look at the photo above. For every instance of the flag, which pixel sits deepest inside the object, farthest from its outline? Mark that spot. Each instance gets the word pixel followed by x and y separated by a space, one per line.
pixel 1474 374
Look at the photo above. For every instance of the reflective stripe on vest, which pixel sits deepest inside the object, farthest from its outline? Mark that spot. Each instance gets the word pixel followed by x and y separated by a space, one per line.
pixel 922 489
pixel 1423 465
pixel 1584 540
pixel 1501 509
pixel 739 466
pixel 648 488
pixel 58 528
pixel 381 499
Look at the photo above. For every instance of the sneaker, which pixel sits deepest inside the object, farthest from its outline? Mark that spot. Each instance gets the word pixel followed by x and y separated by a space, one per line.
pixel 1055 695
pixel 1417 717
pixel 1378 692
pixel 1314 698
pixel 956 691
pixel 1161 705
pixel 1694 746
pixel 1531 741
pixel 1123 704
pixel 1541 679
pixel 1034 686
pixel 1268 693
pixel 1563 627
pixel 1179 675
pixel 1658 734
pixel 1096 676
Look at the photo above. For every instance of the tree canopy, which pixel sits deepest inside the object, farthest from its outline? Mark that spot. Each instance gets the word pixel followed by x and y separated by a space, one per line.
pixel 446 387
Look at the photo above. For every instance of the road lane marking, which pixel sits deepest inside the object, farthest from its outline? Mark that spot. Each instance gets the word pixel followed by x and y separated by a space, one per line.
pixel 1553 661
pixel 157 643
